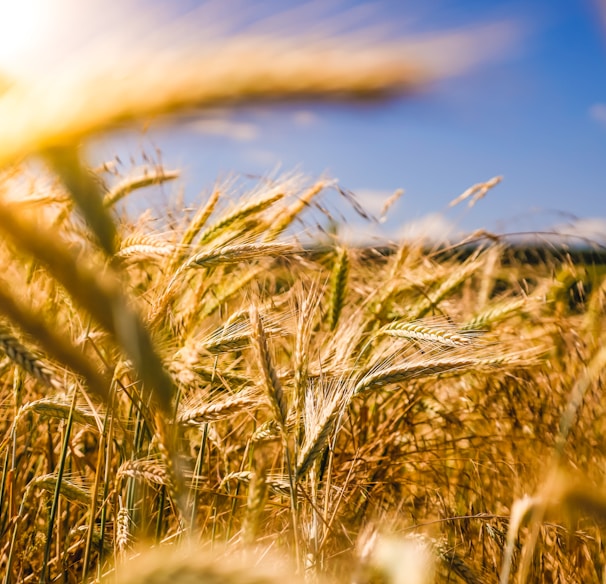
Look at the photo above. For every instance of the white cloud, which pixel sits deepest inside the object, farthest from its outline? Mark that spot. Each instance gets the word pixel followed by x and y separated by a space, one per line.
pixel 597 112
pixel 366 234
pixel 591 229
pixel 239 131
pixel 373 200
pixel 305 118
pixel 576 233
pixel 261 157
pixel 430 229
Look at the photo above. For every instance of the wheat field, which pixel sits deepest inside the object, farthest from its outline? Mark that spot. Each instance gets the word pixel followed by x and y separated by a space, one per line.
pixel 197 394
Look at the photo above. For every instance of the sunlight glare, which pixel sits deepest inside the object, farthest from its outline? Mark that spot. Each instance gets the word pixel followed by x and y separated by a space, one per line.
pixel 23 27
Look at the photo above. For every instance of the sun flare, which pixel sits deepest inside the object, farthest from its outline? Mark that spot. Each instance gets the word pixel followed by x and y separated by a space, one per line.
pixel 23 26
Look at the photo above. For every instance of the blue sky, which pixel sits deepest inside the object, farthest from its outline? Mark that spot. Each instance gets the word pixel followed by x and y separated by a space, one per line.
pixel 535 114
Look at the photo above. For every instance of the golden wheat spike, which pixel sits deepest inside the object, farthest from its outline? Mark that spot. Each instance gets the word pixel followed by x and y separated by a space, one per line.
pixel 93 92
pixel 433 334
pixel 147 178
pixel 196 415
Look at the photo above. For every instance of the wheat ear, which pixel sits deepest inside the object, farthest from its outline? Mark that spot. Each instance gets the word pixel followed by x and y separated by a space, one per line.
pixel 26 359
pixel 122 529
pixel 115 91
pixel 271 382
pixel 283 219
pixel 148 470
pixel 276 484
pixel 338 286
pixel 321 419
pixel 230 254
pixel 422 332
pixel 308 305
pixel 194 227
pixel 218 410
pixel 244 211
pixel 141 248
pixel 67 488
pixel 200 218
pixel 53 407
pixel 151 177
pixel 495 313
pixel 316 439
pixel 385 375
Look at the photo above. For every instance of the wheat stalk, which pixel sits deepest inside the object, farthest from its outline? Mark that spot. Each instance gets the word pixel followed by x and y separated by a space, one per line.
pixel 244 69
pixel 85 190
pixel 255 502
pixel 54 343
pixel 101 294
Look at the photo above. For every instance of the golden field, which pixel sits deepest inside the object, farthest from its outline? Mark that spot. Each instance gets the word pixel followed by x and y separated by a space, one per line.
pixel 191 394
